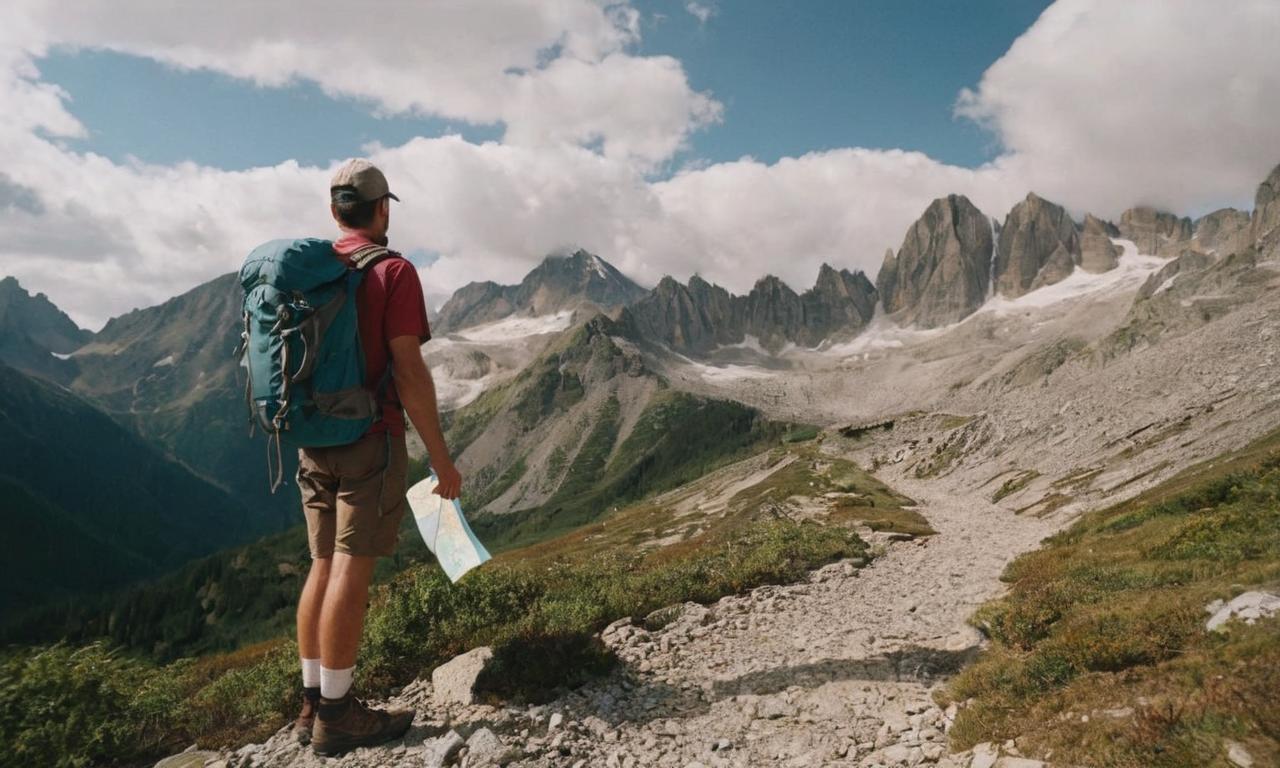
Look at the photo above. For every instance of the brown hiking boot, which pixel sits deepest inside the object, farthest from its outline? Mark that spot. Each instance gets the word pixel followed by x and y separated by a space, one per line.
pixel 302 726
pixel 346 723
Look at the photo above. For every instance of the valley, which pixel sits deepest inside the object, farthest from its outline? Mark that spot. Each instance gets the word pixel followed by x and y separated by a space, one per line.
pixel 755 530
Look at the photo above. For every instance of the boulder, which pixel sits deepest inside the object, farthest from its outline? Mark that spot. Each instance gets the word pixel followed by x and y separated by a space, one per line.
pixel 485 749
pixel 940 274
pixel 1038 246
pixel 1097 252
pixel 454 681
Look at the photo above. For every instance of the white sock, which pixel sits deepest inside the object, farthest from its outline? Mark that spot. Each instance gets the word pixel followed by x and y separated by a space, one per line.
pixel 334 683
pixel 310 673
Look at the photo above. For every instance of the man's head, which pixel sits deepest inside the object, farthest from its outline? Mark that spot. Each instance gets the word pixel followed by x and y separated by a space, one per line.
pixel 360 199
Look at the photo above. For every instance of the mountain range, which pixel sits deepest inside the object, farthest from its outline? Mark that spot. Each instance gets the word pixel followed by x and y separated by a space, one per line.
pixel 579 379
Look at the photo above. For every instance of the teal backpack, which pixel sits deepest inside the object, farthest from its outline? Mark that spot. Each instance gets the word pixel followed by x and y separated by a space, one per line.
pixel 301 347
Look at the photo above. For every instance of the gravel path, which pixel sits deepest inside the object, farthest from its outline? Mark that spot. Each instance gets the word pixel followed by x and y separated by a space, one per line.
pixel 837 670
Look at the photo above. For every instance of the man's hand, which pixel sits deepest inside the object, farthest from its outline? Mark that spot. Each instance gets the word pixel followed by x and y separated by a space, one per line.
pixel 450 479
pixel 418 394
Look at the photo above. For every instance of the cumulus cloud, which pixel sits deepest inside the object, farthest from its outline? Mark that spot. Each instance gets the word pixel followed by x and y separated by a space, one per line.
pixel 1175 104
pixel 1097 105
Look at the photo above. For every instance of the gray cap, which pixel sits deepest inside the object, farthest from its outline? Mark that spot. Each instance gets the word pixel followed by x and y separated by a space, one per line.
pixel 364 176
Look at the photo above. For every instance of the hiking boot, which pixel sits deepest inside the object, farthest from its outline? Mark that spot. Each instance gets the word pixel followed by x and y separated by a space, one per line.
pixel 302 726
pixel 346 723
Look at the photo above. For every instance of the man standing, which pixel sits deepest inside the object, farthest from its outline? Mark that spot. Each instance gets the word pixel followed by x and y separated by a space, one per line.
pixel 353 495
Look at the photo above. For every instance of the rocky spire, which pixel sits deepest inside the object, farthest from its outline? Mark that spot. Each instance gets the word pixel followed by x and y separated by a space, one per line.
pixel 1097 252
pixel 1038 246
pixel 940 273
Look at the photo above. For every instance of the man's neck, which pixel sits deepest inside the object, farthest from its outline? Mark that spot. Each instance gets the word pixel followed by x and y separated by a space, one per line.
pixel 366 234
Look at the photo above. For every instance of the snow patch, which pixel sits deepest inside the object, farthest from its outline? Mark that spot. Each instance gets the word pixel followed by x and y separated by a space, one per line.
pixel 598 267
pixel 62 356
pixel 162 362
pixel 727 373
pixel 1131 271
pixel 880 335
pixel 515 327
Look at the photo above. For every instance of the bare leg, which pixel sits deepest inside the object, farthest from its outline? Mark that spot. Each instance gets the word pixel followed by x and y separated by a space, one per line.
pixel 342 617
pixel 309 605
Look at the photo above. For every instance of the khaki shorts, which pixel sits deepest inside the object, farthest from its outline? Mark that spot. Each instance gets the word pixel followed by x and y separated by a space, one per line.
pixel 353 495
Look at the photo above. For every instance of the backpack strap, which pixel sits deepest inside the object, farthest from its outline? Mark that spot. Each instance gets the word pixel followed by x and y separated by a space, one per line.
pixel 367 255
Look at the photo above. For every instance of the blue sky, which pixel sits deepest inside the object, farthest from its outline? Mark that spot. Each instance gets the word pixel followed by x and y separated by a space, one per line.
pixel 613 127
pixel 793 78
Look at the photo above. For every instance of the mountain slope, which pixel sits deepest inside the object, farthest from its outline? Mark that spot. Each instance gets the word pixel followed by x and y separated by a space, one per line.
pixel 169 372
pixel 90 505
pixel 586 426
pixel 559 282
pixel 32 330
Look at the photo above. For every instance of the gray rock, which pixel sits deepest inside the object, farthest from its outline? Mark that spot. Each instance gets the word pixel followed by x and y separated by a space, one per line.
pixel 484 748
pixel 984 755
pixel 1097 252
pixel 940 274
pixel 1238 755
pixel 438 752
pixel 454 681
pixel 1009 761
pixel 1248 607
pixel 774 707
pixel 1038 246
pixel 190 759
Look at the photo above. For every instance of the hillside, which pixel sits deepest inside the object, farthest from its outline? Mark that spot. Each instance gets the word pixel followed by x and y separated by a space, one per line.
pixel 169 373
pixel 125 511
pixel 36 336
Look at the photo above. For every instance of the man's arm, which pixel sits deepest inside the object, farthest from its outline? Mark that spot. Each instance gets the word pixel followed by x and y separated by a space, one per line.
pixel 418 395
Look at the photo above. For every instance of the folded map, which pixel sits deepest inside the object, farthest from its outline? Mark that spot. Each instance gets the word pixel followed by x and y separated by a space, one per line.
pixel 445 530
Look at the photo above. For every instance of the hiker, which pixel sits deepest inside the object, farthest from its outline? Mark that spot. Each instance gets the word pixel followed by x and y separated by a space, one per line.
pixel 353 495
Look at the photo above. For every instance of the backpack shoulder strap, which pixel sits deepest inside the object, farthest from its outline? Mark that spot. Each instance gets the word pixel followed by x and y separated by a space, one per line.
pixel 366 256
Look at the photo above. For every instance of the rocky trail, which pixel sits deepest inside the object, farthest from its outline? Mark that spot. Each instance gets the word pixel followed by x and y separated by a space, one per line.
pixel 837 670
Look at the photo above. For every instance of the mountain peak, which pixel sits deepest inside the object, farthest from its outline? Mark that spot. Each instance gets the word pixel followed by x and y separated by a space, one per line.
pixel 940 273
pixel 33 329
pixel 563 280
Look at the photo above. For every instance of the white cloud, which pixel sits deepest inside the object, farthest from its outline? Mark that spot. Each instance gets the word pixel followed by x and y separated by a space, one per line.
pixel 1098 105
pixel 1104 104
pixel 700 11
pixel 549 70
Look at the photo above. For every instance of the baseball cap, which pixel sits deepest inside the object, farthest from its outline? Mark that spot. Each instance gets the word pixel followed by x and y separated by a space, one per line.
pixel 364 176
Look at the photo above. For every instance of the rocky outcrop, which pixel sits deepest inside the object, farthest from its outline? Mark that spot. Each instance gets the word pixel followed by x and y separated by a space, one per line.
pixel 1265 225
pixel 1156 233
pixel 1038 246
pixel 696 318
pixel 559 282
pixel 1223 232
pixel 941 272
pixel 1097 252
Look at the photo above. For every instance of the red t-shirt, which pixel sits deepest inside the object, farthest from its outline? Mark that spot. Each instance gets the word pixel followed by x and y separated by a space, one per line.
pixel 389 304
